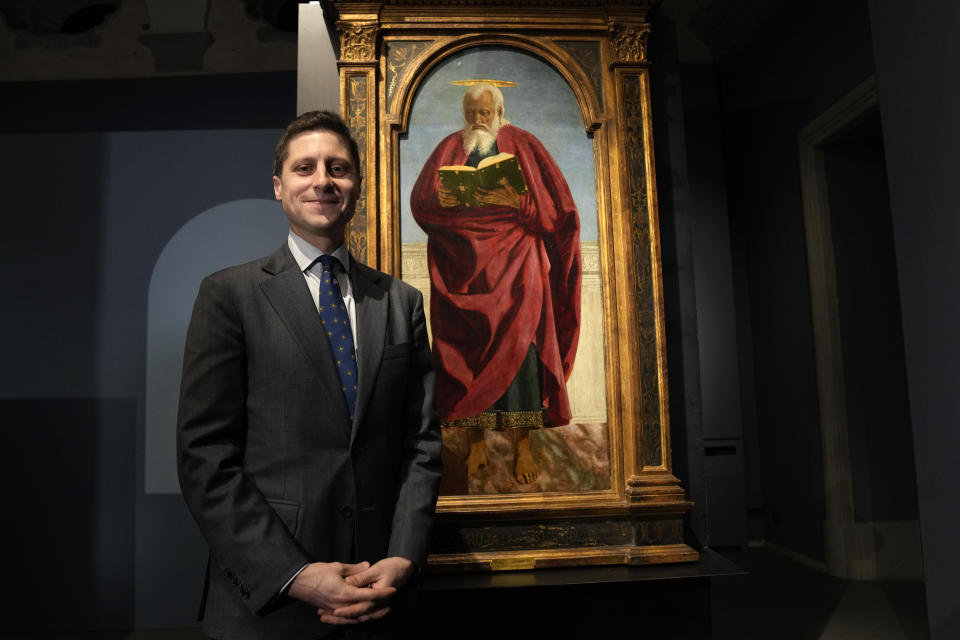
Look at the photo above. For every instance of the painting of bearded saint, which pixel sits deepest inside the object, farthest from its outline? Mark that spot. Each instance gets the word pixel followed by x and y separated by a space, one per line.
pixel 505 285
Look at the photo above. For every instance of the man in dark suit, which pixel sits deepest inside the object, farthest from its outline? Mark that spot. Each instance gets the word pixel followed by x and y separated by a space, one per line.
pixel 308 448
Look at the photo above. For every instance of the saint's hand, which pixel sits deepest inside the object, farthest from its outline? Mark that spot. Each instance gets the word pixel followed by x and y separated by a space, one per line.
pixel 504 195
pixel 446 197
pixel 324 585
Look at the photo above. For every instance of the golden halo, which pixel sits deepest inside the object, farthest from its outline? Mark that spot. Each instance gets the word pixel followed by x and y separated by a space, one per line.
pixel 475 81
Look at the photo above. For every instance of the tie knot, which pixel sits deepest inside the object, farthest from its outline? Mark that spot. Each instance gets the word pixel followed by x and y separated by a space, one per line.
pixel 328 262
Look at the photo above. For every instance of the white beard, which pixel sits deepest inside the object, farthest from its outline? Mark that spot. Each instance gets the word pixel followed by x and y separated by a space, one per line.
pixel 480 139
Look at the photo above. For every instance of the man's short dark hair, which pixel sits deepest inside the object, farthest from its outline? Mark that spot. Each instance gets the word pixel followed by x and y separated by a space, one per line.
pixel 315 121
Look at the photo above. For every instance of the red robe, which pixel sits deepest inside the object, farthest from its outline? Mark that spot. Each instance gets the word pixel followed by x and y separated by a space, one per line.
pixel 501 279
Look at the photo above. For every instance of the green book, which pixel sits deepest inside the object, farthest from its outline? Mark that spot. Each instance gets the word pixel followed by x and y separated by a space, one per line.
pixel 464 180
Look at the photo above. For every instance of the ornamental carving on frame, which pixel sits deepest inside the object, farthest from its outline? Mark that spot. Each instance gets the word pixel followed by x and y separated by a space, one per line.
pixel 357 121
pixel 666 531
pixel 587 55
pixel 357 41
pixel 629 41
pixel 399 56
pixel 646 312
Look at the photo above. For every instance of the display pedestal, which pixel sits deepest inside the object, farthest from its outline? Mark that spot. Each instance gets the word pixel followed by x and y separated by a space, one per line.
pixel 663 601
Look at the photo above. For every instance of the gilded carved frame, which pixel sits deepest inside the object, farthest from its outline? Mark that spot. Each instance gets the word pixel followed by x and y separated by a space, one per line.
pixel 386 50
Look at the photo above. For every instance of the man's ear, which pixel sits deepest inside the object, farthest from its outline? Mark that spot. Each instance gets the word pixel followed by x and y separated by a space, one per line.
pixel 276 188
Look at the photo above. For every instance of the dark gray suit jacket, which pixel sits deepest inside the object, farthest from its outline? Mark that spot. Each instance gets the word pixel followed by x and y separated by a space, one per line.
pixel 270 464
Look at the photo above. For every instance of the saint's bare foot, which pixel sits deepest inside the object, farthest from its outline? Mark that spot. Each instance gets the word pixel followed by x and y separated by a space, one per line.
pixel 477 457
pixel 525 470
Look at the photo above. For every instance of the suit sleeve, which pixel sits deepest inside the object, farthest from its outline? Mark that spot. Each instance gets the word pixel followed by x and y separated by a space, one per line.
pixel 421 468
pixel 248 540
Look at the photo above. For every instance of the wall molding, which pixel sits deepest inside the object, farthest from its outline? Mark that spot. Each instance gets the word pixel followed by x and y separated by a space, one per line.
pixel 850 552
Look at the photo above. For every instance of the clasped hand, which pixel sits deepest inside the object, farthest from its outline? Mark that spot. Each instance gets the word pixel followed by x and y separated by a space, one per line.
pixel 350 593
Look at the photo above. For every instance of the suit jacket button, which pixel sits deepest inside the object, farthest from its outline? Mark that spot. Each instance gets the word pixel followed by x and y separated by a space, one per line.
pixel 347 511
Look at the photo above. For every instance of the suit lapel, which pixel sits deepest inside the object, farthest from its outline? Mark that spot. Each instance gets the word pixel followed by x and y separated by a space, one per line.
pixel 289 296
pixel 371 301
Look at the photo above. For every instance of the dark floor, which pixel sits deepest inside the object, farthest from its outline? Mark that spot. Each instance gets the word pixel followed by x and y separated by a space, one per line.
pixel 778 598
pixel 783 599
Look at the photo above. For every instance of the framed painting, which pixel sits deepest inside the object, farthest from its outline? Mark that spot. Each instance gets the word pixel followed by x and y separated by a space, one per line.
pixel 499 321
pixel 509 178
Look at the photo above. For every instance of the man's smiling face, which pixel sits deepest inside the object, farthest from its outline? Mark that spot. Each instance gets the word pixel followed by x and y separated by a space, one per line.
pixel 318 188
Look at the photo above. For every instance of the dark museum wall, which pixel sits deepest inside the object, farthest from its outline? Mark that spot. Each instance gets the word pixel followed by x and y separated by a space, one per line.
pixel 920 109
pixel 99 175
pixel 736 283
pixel 770 88
pixel 892 254
pixel 895 265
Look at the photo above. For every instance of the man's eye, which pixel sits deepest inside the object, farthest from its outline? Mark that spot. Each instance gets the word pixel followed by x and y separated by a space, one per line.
pixel 338 170
pixel 303 168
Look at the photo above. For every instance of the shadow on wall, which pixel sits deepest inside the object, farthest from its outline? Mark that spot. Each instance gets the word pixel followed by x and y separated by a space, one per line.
pixel 228 234
pixel 71 462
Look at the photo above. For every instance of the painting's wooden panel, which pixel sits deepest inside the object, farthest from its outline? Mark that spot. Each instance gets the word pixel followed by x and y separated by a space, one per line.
pixel 575 78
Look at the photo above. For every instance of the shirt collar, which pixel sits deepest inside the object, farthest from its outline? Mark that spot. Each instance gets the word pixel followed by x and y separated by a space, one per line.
pixel 306 254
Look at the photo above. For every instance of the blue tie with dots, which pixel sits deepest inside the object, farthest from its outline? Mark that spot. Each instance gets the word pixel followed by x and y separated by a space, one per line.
pixel 336 322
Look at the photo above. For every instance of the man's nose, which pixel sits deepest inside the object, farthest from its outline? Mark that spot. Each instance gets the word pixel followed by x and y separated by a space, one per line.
pixel 322 180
